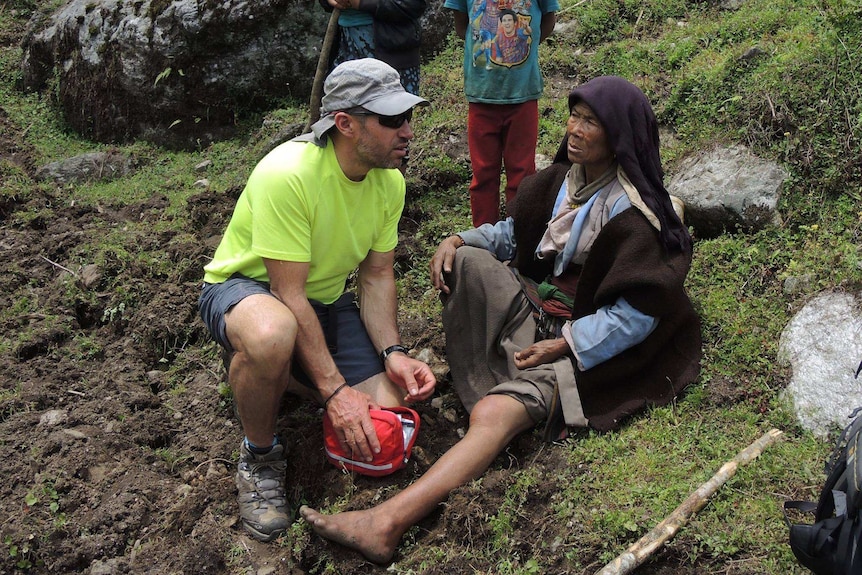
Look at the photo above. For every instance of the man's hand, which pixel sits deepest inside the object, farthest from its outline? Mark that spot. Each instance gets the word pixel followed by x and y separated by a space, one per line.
pixel 442 261
pixel 412 375
pixel 348 411
pixel 545 351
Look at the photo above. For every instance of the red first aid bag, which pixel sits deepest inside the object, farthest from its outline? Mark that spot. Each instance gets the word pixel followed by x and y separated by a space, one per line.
pixel 396 428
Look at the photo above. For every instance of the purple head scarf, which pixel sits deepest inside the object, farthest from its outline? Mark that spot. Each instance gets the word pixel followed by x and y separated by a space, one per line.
pixel 632 132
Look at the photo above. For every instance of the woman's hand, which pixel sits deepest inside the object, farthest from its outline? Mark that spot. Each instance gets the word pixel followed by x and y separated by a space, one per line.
pixel 442 261
pixel 545 351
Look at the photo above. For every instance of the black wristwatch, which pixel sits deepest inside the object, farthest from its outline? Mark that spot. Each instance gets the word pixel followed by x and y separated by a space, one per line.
pixel 390 350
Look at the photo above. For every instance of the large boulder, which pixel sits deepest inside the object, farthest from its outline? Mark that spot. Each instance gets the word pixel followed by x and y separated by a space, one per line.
pixel 728 189
pixel 822 346
pixel 177 72
pixel 172 72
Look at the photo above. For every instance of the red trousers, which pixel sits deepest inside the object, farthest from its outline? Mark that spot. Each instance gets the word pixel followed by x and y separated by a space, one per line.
pixel 499 135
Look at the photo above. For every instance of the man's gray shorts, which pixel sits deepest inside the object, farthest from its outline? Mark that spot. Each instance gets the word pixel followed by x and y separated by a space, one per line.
pixel 346 337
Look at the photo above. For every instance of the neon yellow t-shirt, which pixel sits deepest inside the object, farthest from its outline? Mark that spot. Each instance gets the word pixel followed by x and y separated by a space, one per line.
pixel 299 206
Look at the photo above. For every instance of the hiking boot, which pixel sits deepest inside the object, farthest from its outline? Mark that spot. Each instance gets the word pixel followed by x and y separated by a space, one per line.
pixel 262 500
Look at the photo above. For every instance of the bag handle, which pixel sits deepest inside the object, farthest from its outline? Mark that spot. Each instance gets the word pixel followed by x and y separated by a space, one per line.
pixel 801 506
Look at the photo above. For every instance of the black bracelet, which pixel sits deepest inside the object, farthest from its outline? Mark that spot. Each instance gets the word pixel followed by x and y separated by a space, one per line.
pixel 390 350
pixel 334 393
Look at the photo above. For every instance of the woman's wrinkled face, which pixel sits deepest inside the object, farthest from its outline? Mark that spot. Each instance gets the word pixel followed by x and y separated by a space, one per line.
pixel 587 142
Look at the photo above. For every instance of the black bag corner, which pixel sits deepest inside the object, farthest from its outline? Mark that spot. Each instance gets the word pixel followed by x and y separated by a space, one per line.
pixel 832 544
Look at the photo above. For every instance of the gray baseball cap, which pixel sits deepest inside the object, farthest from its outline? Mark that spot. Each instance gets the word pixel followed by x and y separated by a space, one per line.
pixel 367 82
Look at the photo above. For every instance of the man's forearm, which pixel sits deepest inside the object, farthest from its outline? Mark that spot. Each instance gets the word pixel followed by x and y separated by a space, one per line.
pixel 378 308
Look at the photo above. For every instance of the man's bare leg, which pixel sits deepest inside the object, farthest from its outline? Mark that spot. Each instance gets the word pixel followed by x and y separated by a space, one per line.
pixel 262 331
pixel 376 532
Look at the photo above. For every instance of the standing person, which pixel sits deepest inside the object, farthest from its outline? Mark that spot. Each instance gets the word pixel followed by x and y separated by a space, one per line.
pixel 612 332
pixel 388 30
pixel 313 210
pixel 503 83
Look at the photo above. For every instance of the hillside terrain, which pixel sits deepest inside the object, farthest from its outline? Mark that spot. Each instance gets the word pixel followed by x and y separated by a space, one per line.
pixel 118 438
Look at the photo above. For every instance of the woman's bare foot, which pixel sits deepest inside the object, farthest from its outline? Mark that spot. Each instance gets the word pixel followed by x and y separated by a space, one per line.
pixel 361 531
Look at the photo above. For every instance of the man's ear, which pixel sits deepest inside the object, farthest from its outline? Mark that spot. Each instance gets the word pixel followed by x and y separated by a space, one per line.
pixel 345 124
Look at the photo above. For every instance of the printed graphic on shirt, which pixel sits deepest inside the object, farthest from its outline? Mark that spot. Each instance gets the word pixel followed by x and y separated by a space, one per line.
pixel 501 32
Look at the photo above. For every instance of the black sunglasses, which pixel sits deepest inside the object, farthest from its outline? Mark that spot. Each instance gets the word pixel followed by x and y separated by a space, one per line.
pixel 393 122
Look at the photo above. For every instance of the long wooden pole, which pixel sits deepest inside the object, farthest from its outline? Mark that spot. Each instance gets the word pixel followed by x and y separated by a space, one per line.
pixel 322 65
pixel 664 531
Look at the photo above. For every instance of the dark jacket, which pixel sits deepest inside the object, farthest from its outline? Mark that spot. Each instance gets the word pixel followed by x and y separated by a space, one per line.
pixel 626 260
pixel 397 33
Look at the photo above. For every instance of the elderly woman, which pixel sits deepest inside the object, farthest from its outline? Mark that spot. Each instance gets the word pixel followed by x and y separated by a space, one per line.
pixel 570 312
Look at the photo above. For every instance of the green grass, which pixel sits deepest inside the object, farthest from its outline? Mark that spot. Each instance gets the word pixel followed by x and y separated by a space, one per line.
pixel 798 102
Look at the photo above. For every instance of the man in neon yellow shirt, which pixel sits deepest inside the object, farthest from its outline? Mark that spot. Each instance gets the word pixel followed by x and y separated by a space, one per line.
pixel 314 210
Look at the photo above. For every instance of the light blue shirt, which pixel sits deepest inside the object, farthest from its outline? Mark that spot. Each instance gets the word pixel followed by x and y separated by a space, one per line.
pixel 598 337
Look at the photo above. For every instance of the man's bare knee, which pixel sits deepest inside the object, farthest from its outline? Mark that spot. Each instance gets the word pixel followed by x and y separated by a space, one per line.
pixel 262 327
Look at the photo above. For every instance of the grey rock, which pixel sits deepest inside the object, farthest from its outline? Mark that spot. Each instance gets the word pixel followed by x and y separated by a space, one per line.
pixel 106 567
pixel 822 345
pixel 798 284
pixel 92 166
pixel 91 276
pixel 54 417
pixel 175 72
pixel 728 189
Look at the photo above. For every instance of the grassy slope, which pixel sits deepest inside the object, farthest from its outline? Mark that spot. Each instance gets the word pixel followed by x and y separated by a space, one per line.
pixel 798 103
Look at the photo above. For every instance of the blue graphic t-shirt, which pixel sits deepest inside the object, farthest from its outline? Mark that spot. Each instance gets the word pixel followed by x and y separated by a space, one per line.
pixel 501 49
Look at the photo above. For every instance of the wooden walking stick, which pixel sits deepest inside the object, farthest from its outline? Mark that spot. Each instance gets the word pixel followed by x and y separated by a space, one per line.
pixel 664 531
pixel 322 65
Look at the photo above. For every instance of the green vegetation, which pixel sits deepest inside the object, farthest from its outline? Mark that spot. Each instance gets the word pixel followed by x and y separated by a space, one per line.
pixel 782 76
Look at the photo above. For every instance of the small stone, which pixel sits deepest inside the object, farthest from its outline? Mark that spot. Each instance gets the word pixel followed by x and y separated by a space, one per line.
pixel 420 456
pixel 75 433
pixel 183 489
pixel 91 275
pixel 425 355
pixel 54 417
pixel 798 284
